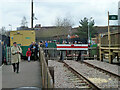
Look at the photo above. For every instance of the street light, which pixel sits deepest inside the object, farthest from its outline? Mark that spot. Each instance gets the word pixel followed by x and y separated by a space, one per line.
pixel 89 30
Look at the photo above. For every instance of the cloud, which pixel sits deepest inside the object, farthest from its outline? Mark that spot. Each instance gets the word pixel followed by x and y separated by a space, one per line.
pixel 12 11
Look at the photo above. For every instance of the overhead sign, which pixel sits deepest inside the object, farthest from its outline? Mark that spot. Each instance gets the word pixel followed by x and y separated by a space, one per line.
pixel 72 46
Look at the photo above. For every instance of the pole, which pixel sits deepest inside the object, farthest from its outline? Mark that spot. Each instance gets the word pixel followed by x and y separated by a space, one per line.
pixel 88 37
pixel 88 31
pixel 32 14
pixel 110 61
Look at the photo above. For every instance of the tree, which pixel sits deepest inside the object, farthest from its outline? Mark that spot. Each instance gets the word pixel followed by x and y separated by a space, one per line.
pixel 3 31
pixel 83 28
pixel 63 22
pixel 24 22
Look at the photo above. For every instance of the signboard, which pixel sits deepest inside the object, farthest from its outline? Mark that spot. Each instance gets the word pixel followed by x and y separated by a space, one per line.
pixel 27 37
pixel 72 46
pixel 113 17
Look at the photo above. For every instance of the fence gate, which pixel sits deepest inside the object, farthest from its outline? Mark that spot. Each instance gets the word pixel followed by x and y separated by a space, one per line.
pixel 8 55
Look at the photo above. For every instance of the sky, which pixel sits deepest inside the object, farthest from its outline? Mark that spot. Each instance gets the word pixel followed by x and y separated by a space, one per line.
pixel 46 11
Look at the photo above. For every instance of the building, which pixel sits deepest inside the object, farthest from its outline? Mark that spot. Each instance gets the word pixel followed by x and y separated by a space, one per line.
pixel 52 32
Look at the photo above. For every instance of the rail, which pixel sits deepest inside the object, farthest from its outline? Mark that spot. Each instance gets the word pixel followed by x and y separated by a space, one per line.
pixel 47 80
pixel 94 87
pixel 106 71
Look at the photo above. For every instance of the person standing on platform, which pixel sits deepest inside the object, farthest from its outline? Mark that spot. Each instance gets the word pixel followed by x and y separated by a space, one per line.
pixel 16 52
pixel 34 49
pixel 28 54
pixel 62 53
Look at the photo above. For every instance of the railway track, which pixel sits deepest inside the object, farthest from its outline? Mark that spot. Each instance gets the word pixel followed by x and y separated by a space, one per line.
pixel 103 70
pixel 79 80
pixel 96 78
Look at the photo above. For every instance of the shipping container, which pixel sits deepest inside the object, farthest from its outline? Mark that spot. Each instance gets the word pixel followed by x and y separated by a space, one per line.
pixel 23 38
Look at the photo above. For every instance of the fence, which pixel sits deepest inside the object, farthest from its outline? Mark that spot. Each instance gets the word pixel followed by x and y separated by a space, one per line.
pixel 8 55
pixel 47 79
pixel 54 54
pixel 111 48
pixel 114 40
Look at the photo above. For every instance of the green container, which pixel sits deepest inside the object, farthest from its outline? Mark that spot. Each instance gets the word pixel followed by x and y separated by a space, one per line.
pixel 24 49
pixel 93 52
pixel 52 45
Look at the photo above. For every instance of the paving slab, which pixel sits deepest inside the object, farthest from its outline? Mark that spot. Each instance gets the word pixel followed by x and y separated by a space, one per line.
pixel 29 75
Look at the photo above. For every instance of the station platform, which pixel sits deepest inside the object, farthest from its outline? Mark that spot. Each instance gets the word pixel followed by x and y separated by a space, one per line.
pixel 29 75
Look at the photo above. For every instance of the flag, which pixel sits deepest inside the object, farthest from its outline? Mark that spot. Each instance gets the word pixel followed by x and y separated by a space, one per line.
pixel 113 17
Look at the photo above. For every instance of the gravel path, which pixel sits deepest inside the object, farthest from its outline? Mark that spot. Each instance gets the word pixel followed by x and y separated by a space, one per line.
pixel 63 77
pixel 109 67
pixel 98 78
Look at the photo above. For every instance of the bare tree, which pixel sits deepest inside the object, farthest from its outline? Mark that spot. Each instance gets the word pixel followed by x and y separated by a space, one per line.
pixel 58 22
pixel 64 22
pixel 24 22
pixel 3 31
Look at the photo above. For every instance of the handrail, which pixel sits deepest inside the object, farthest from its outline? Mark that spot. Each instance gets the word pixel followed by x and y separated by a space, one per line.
pixel 47 81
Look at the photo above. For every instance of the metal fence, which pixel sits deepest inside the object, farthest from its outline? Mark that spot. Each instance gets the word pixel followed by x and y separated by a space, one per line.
pixel 54 54
pixel 8 55
pixel 47 79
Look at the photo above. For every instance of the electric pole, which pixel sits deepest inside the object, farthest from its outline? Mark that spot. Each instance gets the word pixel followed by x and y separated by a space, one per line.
pixel 32 14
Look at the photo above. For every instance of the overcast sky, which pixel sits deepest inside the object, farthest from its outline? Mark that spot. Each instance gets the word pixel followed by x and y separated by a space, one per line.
pixel 46 11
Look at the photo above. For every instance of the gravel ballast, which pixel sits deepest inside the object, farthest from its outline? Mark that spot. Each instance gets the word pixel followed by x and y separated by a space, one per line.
pixel 63 77
pixel 109 67
pixel 100 79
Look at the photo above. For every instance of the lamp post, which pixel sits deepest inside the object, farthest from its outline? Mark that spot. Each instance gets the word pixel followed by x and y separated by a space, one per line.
pixel 10 26
pixel 31 13
pixel 89 30
pixel 89 33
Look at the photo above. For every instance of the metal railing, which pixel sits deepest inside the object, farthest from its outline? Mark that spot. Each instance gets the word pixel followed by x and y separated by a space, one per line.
pixel 8 55
pixel 47 80
pixel 54 54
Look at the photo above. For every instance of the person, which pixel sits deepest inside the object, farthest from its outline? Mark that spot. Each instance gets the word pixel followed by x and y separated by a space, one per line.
pixel 28 54
pixel 34 49
pixel 31 45
pixel 16 57
pixel 62 53
pixel 46 44
pixel 3 52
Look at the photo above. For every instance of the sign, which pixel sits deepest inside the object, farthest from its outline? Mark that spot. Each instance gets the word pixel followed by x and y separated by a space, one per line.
pixel 27 37
pixel 11 37
pixel 72 46
pixel 113 17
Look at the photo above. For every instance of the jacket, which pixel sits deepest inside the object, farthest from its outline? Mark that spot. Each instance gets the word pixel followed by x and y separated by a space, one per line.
pixel 28 53
pixel 16 57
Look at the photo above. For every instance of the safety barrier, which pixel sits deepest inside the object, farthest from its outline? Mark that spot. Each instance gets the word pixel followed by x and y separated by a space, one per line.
pixel 47 80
